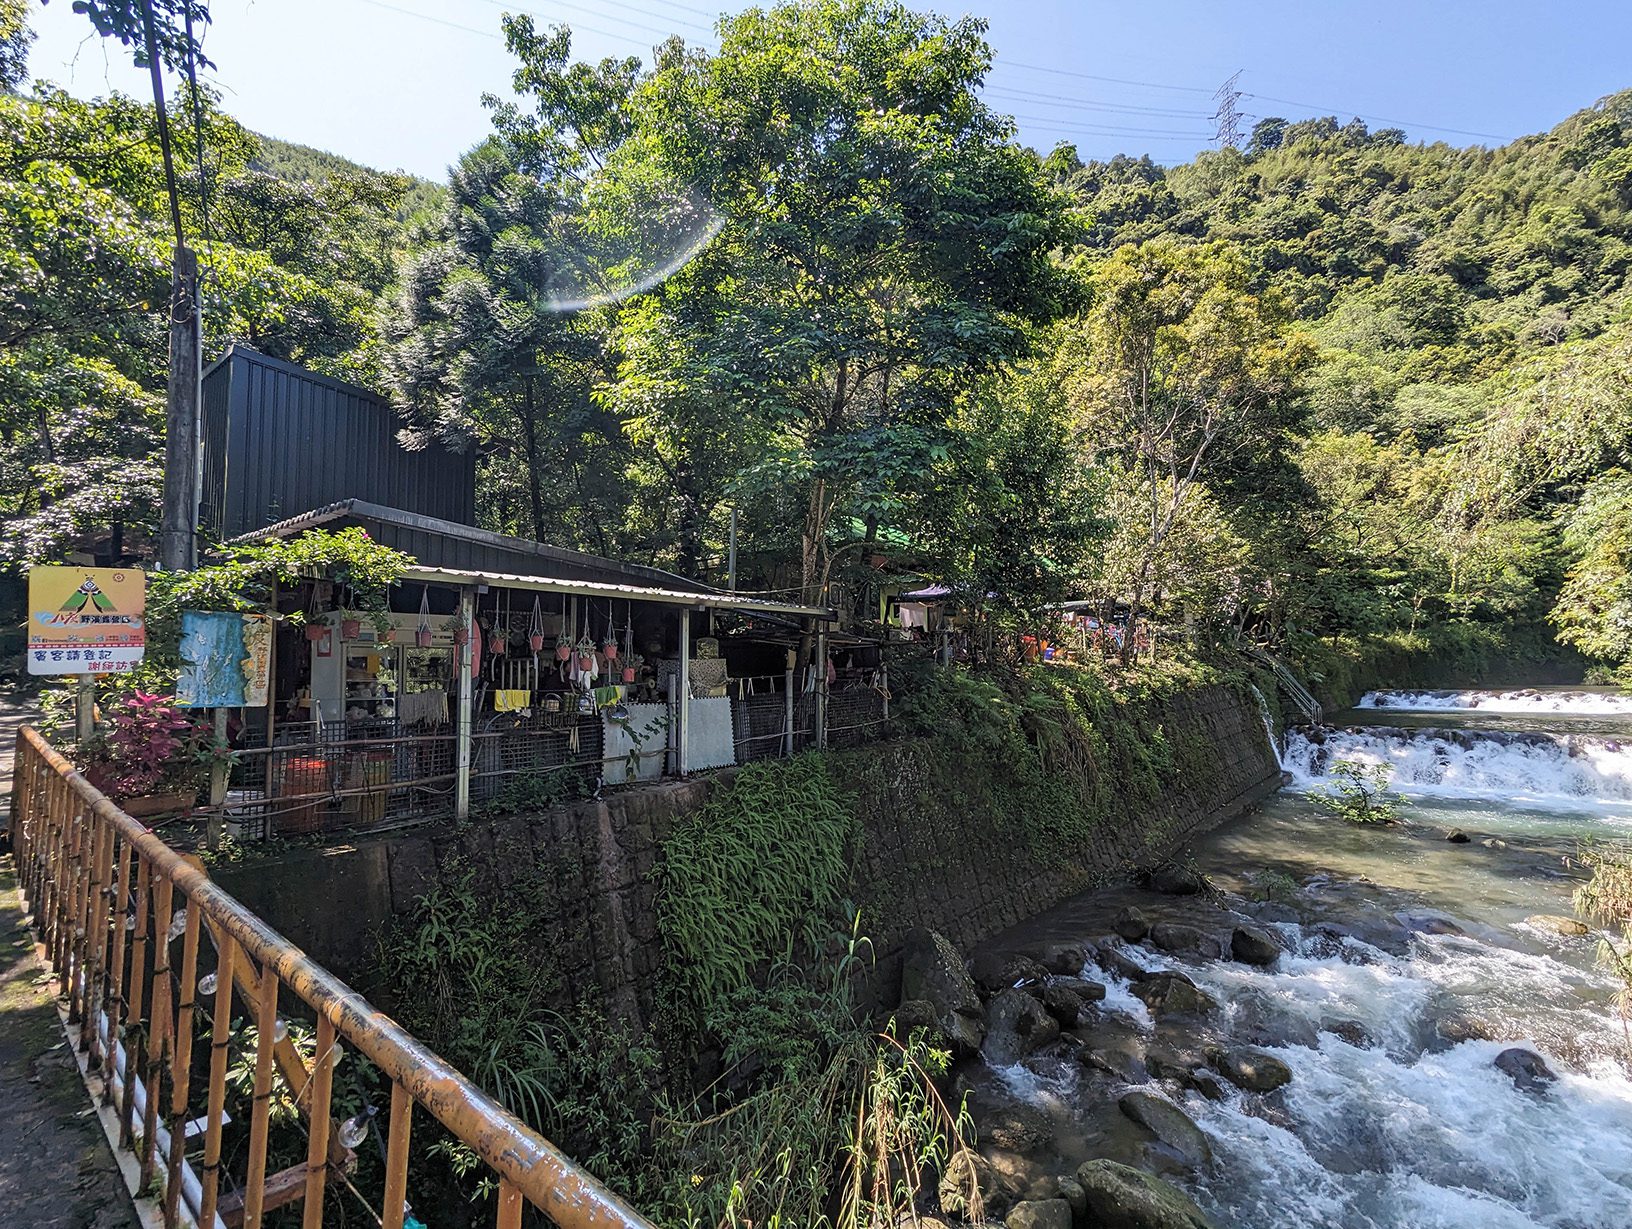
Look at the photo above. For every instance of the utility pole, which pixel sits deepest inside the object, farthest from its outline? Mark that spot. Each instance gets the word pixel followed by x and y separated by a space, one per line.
pixel 178 520
pixel 178 524
pixel 1228 115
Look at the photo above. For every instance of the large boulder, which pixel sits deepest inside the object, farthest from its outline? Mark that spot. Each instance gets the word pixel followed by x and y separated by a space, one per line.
pixel 1064 959
pixel 1087 991
pixel 997 971
pixel 1172 994
pixel 1168 1123
pixel 1017 1025
pixel 1117 962
pixel 1015 1127
pixel 1181 939
pixel 934 972
pixel 1570 927
pixel 1040 1214
pixel 1063 1004
pixel 1132 924
pixel 1251 1068
pixel 1527 1069
pixel 1254 945
pixel 968 1187
pixel 1121 1197
pixel 1176 880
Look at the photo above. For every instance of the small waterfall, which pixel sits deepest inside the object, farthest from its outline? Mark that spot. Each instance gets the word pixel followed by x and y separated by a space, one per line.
pixel 1525 700
pixel 1269 727
pixel 1578 768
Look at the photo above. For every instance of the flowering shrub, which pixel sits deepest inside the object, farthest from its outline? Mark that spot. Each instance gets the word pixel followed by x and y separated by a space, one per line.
pixel 150 747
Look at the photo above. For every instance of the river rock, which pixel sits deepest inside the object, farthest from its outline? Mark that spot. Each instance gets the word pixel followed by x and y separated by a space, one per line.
pixel 1075 1197
pixel 1252 945
pixel 1168 1123
pixel 1064 959
pixel 1132 924
pixel 1017 1024
pixel 1117 962
pixel 1351 1031
pixel 1040 1214
pixel 1568 926
pixel 1251 1068
pixel 1176 880
pixel 914 1014
pixel 1064 1005
pixel 1173 993
pixel 967 1174
pixel 1015 1127
pixel 933 972
pixel 1527 1069
pixel 1181 939
pixel 997 971
pixel 1457 837
pixel 1087 991
pixel 1494 842
pixel 1121 1197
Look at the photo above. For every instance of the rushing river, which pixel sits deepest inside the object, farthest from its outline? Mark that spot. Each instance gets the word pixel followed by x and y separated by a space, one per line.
pixel 1410 966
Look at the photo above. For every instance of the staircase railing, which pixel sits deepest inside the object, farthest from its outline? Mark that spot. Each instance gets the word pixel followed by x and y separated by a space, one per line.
pixel 112 903
pixel 1302 698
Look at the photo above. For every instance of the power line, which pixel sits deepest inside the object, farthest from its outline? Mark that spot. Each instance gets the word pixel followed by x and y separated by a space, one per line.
pixel 633 25
pixel 1066 72
pixel 1109 129
pixel 441 21
pixel 1091 104
pixel 1381 119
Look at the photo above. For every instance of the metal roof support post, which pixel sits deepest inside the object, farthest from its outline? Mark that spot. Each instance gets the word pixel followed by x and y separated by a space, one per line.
pixel 821 684
pixel 461 780
pixel 683 709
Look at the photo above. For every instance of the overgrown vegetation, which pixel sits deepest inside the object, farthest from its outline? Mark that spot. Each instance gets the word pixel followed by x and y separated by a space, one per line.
pixel 1359 793
pixel 1606 898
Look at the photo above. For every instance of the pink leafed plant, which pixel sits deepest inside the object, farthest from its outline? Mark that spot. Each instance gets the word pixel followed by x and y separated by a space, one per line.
pixel 150 746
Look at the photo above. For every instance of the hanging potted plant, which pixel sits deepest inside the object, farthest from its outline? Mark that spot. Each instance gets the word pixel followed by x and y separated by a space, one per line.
pixel 152 758
pixel 350 625
pixel 586 653
pixel 631 667
pixel 316 632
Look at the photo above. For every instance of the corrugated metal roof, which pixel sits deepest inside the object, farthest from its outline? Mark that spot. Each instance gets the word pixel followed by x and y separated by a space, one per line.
pixel 450 553
pixel 646 593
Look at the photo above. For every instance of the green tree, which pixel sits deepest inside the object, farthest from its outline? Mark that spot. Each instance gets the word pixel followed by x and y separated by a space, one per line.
pixel 1181 369
pixel 883 245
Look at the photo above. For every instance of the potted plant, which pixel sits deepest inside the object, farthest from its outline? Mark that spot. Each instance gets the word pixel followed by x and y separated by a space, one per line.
pixel 152 758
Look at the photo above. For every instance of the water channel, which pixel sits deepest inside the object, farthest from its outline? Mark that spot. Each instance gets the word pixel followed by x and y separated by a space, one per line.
pixel 1411 962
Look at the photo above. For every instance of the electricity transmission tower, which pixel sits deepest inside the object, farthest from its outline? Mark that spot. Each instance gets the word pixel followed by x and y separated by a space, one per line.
pixel 1228 116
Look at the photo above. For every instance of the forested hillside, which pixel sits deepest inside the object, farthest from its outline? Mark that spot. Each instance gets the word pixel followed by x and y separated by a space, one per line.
pixel 1364 398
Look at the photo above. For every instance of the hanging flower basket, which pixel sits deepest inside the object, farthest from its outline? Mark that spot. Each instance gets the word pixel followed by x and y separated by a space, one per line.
pixel 422 637
pixel 563 648
pixel 316 632
pixel 461 636
pixel 496 643
pixel 609 649
pixel 349 628
pixel 535 643
pixel 586 654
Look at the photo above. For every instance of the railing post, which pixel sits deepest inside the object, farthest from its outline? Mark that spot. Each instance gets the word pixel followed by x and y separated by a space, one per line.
pixel 788 696
pixel 461 760
pixel 181 1063
pixel 821 684
pixel 266 1022
pixel 683 708
pixel 396 1159
pixel 220 1041
pixel 317 1145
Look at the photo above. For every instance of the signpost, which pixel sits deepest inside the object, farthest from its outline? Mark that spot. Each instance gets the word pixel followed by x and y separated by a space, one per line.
pixel 85 621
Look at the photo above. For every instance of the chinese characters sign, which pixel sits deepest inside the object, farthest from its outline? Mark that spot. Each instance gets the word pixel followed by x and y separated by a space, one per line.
pixel 226 659
pixel 85 620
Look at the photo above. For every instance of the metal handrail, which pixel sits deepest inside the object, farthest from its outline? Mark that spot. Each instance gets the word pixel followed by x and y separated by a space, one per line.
pixel 80 859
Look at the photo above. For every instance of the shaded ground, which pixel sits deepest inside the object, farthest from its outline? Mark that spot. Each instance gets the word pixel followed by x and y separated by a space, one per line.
pixel 56 1171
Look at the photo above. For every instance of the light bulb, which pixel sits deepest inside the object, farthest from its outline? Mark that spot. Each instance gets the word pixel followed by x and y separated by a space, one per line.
pixel 130 921
pixel 207 984
pixel 178 925
pixel 280 1030
pixel 354 1131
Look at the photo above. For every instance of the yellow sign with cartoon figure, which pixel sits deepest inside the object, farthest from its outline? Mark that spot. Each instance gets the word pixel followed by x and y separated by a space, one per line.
pixel 86 620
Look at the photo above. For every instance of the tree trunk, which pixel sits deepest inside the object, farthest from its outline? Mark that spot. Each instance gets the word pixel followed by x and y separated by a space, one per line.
pixel 535 489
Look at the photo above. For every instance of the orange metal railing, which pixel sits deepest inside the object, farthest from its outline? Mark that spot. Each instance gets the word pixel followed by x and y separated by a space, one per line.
pixel 111 903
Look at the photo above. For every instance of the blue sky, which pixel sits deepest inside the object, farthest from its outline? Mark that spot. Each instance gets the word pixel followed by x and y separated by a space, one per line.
pixel 397 83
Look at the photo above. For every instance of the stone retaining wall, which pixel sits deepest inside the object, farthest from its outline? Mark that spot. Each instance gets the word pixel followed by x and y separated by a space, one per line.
pixel 929 856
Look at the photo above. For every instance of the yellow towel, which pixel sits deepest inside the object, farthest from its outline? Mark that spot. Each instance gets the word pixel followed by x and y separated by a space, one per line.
pixel 511 701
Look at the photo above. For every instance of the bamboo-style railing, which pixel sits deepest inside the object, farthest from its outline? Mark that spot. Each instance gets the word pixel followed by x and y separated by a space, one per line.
pixel 111 903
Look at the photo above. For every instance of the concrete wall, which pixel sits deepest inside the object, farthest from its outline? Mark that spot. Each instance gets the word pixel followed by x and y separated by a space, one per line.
pixel 929 855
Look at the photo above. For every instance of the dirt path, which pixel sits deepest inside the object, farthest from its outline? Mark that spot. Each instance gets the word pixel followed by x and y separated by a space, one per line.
pixel 56 1171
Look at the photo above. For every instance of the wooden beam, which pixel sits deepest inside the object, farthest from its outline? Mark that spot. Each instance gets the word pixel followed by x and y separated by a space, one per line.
pixel 282 1188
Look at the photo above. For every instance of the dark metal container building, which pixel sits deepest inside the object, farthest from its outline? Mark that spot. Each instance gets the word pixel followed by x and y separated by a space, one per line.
pixel 280 440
